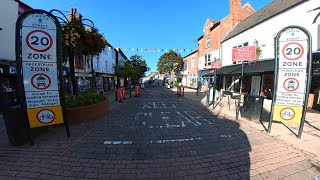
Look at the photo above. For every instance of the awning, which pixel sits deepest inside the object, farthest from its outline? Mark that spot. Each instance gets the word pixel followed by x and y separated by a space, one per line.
pixel 203 73
pixel 251 68
pixel 228 69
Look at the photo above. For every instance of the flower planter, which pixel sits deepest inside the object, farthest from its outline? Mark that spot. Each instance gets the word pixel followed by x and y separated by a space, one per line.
pixel 91 112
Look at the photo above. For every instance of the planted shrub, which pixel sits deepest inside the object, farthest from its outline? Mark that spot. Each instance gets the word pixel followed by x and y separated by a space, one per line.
pixel 83 99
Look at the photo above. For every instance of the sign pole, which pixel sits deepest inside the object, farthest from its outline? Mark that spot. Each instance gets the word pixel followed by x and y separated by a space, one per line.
pixel 60 76
pixel 214 87
pixel 239 98
pixel 309 78
pixel 275 84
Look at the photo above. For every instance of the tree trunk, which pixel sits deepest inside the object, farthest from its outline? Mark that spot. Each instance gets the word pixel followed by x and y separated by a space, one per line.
pixel 72 74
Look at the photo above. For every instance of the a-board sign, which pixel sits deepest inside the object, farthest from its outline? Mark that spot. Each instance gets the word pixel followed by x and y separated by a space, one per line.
pixel 292 74
pixel 38 33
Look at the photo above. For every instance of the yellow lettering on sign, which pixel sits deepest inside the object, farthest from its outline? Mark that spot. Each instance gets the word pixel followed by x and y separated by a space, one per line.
pixel 287 113
pixel 45 116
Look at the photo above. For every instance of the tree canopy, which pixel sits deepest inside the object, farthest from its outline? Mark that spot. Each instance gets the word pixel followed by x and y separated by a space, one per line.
pixel 169 62
pixel 135 68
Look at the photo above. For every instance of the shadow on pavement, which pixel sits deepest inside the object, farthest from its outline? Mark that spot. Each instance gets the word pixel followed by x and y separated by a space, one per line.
pixel 156 135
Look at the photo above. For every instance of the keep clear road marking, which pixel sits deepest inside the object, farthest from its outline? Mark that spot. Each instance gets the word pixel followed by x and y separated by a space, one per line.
pixel 110 142
pixel 152 142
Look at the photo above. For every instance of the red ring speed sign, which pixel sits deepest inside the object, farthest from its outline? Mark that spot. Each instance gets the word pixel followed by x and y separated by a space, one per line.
pixel 39 40
pixel 291 84
pixel 45 116
pixel 287 114
pixel 293 51
pixel 41 81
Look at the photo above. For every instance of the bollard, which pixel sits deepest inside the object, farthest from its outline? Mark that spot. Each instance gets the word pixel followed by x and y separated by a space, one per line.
pixel 183 91
pixel 119 95
pixel 124 93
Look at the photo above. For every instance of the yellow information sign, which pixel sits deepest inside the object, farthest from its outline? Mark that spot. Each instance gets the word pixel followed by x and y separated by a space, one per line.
pixel 45 116
pixel 287 113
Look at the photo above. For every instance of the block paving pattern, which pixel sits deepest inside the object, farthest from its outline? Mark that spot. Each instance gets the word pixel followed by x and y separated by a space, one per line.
pixel 157 136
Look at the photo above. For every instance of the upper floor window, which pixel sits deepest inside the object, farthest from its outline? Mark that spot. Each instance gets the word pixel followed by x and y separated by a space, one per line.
pixel 192 62
pixel 208 41
pixel 185 65
pixel 207 60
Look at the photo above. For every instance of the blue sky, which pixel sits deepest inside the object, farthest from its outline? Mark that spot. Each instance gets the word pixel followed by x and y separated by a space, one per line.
pixel 148 24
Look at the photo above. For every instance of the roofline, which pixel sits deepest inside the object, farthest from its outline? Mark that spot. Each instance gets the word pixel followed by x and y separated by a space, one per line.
pixel 120 51
pixel 280 12
pixel 18 1
pixel 215 25
pixel 200 38
pixel 190 54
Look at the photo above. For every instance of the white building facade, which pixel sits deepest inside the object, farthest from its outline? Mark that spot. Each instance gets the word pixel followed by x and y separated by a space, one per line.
pixel 260 30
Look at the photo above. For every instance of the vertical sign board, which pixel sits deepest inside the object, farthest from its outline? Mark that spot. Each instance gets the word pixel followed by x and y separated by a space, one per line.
pixel 292 83
pixel 38 31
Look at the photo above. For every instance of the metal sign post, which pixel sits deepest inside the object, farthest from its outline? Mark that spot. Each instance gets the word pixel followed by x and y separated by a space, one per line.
pixel 245 53
pixel 39 63
pixel 292 76
pixel 215 65
pixel 239 98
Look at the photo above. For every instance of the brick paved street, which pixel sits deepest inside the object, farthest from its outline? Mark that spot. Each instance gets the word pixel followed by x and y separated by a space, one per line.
pixel 157 136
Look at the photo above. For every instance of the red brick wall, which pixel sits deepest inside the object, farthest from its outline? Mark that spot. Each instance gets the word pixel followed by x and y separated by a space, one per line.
pixel 193 70
pixel 237 13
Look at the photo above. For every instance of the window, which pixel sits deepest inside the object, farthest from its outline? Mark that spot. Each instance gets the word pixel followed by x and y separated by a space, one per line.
pixel 106 66
pixel 207 60
pixel 208 41
pixel 245 44
pixel 185 65
pixel 192 62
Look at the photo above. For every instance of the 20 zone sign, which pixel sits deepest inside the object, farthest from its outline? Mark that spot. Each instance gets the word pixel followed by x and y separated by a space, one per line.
pixel 39 40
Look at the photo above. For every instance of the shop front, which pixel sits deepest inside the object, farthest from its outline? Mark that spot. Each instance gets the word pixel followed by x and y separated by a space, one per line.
pixel 8 85
pixel 314 96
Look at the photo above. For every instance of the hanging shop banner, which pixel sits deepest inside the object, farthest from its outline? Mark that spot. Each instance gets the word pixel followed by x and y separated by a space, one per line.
pixel 293 63
pixel 38 33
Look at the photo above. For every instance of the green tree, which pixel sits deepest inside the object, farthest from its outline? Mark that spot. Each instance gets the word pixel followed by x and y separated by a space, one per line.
pixel 169 62
pixel 134 69
pixel 140 66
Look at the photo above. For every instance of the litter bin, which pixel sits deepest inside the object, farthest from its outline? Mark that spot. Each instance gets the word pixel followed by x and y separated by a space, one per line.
pixel 252 107
pixel 15 120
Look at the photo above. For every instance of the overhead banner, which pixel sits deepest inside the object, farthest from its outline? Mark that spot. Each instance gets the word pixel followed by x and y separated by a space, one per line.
pixel 292 67
pixel 38 49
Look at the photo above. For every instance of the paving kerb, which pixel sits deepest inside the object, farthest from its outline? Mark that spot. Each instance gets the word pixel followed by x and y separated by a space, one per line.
pixel 308 144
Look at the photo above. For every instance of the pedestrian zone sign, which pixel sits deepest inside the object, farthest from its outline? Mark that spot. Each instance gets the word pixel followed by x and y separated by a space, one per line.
pixel 291 80
pixel 39 65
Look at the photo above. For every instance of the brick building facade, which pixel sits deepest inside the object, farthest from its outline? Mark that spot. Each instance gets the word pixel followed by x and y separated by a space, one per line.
pixel 209 44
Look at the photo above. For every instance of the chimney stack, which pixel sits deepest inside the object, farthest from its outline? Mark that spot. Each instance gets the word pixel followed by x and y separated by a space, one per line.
pixel 235 11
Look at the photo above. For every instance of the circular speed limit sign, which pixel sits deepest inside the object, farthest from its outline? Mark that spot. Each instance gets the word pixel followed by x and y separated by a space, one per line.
pixel 39 40
pixel 292 51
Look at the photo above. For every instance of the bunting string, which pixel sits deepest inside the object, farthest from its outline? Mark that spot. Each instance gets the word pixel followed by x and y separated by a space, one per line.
pixel 152 50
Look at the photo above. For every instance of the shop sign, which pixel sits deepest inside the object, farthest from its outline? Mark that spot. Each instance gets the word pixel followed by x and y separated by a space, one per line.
pixel 216 64
pixel 8 70
pixel 40 68
pixel 292 79
pixel 246 53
